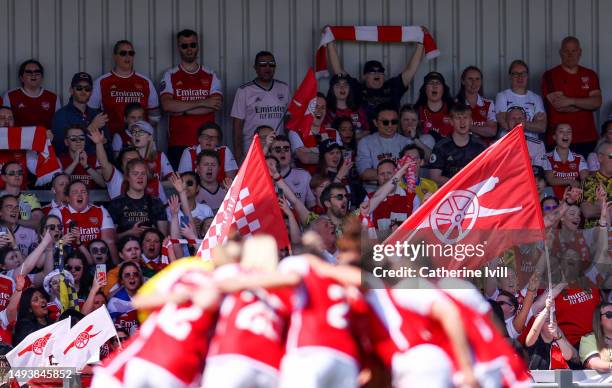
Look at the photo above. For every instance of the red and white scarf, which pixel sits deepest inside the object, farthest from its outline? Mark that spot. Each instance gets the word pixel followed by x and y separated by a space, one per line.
pixel 383 34
pixel 35 139
pixel 171 241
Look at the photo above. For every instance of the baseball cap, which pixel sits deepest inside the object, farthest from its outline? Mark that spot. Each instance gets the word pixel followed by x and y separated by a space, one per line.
pixel 145 126
pixel 337 78
pixel 373 66
pixel 433 75
pixel 328 145
pixel 80 77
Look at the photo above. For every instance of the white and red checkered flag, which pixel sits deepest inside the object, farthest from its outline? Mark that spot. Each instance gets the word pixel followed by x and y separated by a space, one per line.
pixel 35 139
pixel 250 206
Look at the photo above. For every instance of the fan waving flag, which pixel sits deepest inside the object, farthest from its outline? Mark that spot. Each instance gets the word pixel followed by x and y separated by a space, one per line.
pixel 34 139
pixel 490 205
pixel 302 105
pixel 84 339
pixel 35 349
pixel 250 206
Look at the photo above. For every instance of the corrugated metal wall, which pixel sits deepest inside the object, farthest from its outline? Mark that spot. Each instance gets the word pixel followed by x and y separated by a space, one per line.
pixel 72 35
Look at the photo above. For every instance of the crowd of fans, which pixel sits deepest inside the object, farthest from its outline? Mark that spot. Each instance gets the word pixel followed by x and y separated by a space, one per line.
pixel 352 161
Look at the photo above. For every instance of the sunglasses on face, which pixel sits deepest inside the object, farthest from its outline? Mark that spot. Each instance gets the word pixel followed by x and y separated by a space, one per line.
pixel 80 88
pixel 189 183
pixel 53 227
pixel 99 251
pixel 607 314
pixel 138 133
pixel 268 63
pixel 548 208
pixel 76 267
pixel 185 46
pixel 76 138
pixel 128 275
pixel 388 122
pixel 32 72
pixel 15 173
pixel 519 75
pixel 125 53
pixel 278 150
pixel 340 197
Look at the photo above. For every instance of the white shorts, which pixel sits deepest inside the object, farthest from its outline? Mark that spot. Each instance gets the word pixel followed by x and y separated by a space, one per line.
pixel 422 366
pixel 235 371
pixel 143 374
pixel 318 367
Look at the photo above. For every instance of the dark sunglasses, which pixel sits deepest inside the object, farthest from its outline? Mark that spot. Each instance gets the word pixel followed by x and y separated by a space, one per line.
pixel 76 138
pixel 125 53
pixel 33 72
pixel 387 122
pixel 185 46
pixel 281 149
pixel 99 251
pixel 80 88
pixel 15 173
pixel 131 275
pixel 340 197
pixel 264 64
pixel 190 183
pixel 76 267
pixel 548 208
pixel 607 314
pixel 53 227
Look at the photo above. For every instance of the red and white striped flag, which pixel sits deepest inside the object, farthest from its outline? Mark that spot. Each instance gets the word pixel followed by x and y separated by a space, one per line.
pixel 34 139
pixel 383 34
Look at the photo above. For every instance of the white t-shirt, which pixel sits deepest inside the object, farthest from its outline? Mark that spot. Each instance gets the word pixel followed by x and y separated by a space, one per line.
pixel 258 106
pixel 537 151
pixel 530 102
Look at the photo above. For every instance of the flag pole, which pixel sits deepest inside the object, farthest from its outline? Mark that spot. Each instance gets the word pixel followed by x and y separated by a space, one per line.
pixel 282 120
pixel 549 274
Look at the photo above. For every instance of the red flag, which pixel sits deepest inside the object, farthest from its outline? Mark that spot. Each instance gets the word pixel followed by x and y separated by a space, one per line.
pixel 302 105
pixel 492 204
pixel 250 206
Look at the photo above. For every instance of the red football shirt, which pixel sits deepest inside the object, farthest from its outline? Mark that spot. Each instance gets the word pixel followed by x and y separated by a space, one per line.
pixel 112 92
pixel 79 172
pixel 185 86
pixel 436 121
pixel 574 309
pixel 32 110
pixel 572 85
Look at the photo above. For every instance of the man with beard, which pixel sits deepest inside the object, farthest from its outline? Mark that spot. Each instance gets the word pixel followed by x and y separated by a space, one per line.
pixel 259 102
pixel 335 199
pixel 190 94
pixel 375 90
pixel 77 113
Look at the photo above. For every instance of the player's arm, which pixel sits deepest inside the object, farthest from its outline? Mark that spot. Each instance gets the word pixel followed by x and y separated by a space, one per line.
pixel 447 314
pixel 268 280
